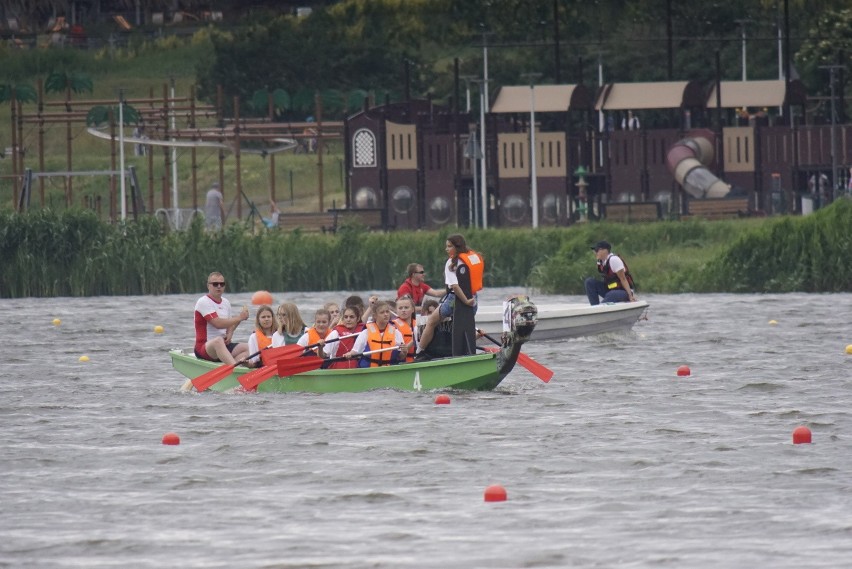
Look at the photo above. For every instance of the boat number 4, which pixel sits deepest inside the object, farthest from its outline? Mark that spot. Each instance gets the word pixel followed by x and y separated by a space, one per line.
pixel 417 385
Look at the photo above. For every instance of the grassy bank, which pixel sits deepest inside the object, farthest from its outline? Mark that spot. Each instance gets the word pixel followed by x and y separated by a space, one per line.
pixel 48 253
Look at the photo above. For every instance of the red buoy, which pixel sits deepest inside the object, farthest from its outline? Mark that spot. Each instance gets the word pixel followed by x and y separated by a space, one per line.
pixel 442 399
pixel 171 439
pixel 261 297
pixel 683 371
pixel 801 435
pixel 495 493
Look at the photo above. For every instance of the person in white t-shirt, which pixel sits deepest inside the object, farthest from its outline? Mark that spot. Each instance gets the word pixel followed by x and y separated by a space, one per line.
pixel 617 283
pixel 214 208
pixel 214 325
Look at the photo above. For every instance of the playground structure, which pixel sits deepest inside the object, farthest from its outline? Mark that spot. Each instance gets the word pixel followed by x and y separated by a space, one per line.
pixel 166 123
pixel 419 162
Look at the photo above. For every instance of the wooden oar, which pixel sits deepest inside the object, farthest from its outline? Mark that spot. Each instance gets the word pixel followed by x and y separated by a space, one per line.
pixel 214 376
pixel 296 366
pixel 542 372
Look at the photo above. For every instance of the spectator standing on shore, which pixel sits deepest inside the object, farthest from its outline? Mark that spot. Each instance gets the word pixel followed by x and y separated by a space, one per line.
pixel 214 208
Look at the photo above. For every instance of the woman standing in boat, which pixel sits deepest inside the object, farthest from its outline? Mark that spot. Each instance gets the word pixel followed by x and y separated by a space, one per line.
pixel 264 328
pixel 378 335
pixel 290 325
pixel 350 325
pixel 463 276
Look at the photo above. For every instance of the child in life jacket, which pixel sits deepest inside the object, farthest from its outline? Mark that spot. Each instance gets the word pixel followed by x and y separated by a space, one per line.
pixel 264 328
pixel 341 338
pixel 316 334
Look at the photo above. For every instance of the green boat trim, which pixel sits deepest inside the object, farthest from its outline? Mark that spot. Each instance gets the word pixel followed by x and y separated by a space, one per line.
pixel 472 372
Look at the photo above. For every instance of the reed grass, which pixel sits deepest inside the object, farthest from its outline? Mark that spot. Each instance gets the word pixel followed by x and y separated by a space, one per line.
pixel 73 253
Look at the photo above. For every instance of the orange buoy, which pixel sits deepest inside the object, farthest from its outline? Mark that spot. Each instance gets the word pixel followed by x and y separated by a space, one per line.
pixel 683 371
pixel 495 493
pixel 801 435
pixel 171 439
pixel 261 297
pixel 442 399
pixel 849 349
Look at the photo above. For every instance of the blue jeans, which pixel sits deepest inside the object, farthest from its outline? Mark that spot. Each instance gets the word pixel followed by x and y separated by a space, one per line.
pixel 596 290
pixel 445 309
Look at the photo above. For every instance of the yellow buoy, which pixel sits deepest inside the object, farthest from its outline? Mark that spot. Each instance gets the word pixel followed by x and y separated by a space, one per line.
pixel 84 358
pixel 158 329
pixel 849 349
pixel 57 321
pixel 773 322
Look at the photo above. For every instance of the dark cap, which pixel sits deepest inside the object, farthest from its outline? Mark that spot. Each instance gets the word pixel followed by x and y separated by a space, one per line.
pixel 602 245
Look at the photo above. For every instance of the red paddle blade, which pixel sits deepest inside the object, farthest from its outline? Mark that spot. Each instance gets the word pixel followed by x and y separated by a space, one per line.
pixel 257 376
pixel 294 366
pixel 271 355
pixel 542 372
pixel 212 377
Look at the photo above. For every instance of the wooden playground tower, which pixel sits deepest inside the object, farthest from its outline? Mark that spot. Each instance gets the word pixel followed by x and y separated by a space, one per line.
pixel 169 121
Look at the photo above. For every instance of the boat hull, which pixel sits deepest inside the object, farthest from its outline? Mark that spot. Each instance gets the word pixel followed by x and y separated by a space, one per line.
pixel 476 372
pixel 570 320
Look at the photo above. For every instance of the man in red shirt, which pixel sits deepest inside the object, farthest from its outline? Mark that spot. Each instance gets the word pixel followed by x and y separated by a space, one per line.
pixel 415 287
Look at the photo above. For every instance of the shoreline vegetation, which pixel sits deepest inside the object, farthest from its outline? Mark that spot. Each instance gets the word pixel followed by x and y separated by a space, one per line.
pixel 46 253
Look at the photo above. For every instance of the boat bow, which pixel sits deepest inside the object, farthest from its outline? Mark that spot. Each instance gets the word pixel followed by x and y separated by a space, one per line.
pixel 520 317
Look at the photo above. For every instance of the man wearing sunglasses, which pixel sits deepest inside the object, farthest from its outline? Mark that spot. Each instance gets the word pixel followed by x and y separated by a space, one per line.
pixel 415 285
pixel 214 325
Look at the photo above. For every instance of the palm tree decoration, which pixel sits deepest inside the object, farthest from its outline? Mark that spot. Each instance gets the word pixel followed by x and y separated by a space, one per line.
pixel 59 81
pixel 100 114
pixel 21 93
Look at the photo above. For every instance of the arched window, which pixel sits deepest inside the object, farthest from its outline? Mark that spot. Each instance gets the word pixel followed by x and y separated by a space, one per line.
pixel 364 148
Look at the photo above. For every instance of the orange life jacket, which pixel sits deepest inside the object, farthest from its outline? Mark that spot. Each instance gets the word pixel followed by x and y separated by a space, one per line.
pixel 314 337
pixel 378 340
pixel 407 336
pixel 263 341
pixel 476 264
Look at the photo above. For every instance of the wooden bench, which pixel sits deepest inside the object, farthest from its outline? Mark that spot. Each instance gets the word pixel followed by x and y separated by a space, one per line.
pixel 373 218
pixel 718 208
pixel 325 222
pixel 633 211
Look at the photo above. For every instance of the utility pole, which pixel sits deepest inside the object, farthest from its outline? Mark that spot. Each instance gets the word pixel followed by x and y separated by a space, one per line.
pixel 742 24
pixel 533 177
pixel 834 176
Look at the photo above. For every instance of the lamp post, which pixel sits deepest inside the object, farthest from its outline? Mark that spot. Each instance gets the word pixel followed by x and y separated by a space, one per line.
pixel 473 153
pixel 483 108
pixel 582 195
pixel 834 176
pixel 533 177
pixel 121 154
pixel 483 103
pixel 467 79
pixel 742 24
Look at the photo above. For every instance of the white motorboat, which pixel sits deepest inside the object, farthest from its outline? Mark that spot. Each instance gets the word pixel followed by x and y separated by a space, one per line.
pixel 559 321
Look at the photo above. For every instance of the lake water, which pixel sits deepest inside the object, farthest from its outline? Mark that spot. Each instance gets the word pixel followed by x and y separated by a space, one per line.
pixel 617 462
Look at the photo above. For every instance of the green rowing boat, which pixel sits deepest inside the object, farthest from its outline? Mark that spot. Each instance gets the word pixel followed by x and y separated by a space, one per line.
pixel 473 372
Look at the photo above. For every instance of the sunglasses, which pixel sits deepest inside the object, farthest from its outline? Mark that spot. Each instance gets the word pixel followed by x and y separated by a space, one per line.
pixel 216 284
pixel 420 272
